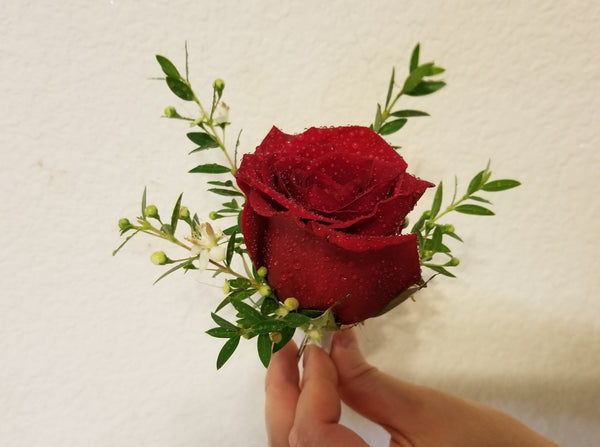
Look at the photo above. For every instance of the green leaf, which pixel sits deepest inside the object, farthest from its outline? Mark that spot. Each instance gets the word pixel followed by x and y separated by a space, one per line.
pixel 416 77
pixel 436 239
pixel 247 311
pixel 203 140
pixel 295 319
pixel 221 332
pixel 242 294
pixel 269 305
pixel 500 185
pixel 227 184
pixel 474 209
pixel 392 126
pixel 223 322
pixel 378 119
pixel 439 269
pixel 180 89
pixel 479 199
pixel 175 214
pixel 407 113
pixel 267 326
pixel 437 201
pixel 227 351
pixel 177 267
pixel 264 346
pixel 426 88
pixel 454 236
pixel 230 247
pixel 210 168
pixel 167 67
pixel 475 183
pixel 414 58
pixel 226 192
pixel 390 88
pixel 144 204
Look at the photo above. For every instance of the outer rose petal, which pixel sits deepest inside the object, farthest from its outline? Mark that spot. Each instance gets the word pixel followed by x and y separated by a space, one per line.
pixel 321 267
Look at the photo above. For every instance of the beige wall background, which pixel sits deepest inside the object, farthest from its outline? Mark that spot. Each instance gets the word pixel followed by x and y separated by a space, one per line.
pixel 92 354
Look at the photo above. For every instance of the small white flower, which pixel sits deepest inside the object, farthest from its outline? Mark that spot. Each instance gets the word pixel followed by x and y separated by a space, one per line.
pixel 221 113
pixel 207 247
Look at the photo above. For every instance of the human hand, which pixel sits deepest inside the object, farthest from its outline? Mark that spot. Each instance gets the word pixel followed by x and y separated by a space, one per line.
pixel 307 413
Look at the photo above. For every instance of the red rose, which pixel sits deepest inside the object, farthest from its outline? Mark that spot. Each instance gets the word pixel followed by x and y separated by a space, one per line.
pixel 324 212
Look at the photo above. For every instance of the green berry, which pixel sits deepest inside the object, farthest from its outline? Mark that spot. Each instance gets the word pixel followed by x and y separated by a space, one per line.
pixel 184 212
pixel 262 272
pixel 159 258
pixel 275 337
pixel 291 304
pixel 453 262
pixel 151 211
pixel 264 290
pixel 170 112
pixel 124 224
pixel 219 85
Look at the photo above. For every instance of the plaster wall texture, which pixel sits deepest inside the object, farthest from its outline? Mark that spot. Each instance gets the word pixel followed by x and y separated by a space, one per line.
pixel 92 354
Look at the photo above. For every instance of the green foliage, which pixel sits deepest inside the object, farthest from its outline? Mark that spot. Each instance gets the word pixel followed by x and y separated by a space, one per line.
pixel 417 83
pixel 430 232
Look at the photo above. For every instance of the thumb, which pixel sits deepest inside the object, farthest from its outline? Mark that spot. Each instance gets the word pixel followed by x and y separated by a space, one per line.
pixel 375 395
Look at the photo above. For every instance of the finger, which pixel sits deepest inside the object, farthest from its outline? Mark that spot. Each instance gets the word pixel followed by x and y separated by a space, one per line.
pixel 281 394
pixel 319 406
pixel 375 395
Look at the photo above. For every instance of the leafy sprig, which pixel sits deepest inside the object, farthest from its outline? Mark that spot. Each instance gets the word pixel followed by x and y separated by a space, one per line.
pixel 417 83
pixel 431 233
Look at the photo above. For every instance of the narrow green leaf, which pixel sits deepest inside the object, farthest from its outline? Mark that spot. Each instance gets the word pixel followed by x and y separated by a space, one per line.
pixel 479 199
pixel 230 247
pixel 167 67
pixel 392 126
pixel 439 269
pixel 437 200
pixel 426 88
pixel 227 351
pixel 144 204
pixel 222 304
pixel 221 332
pixel 407 113
pixel 226 192
pixel 500 185
pixel 436 239
pixel 227 184
pixel 454 236
pixel 210 168
pixel 414 58
pixel 390 88
pixel 378 118
pixel 175 214
pixel 168 272
pixel 180 88
pixel 223 322
pixel 203 140
pixel 474 209
pixel 475 183
pixel 264 346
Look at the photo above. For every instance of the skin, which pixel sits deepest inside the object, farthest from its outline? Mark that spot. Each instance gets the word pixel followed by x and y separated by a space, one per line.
pixel 305 412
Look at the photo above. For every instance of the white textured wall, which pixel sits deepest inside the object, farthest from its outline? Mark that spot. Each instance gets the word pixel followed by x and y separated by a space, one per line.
pixel 92 354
